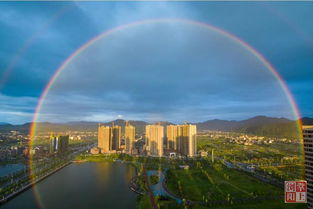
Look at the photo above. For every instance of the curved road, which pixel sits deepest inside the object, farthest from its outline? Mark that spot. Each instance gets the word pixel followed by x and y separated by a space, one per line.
pixel 158 189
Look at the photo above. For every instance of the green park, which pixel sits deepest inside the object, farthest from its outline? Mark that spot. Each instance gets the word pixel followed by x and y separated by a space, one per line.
pixel 207 182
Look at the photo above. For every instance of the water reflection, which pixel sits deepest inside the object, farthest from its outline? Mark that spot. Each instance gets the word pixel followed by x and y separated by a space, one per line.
pixel 81 186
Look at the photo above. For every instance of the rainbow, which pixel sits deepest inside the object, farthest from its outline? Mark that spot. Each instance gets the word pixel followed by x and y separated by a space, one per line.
pixel 223 33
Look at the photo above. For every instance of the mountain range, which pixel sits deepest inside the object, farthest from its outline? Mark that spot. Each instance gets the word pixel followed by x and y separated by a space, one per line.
pixel 259 125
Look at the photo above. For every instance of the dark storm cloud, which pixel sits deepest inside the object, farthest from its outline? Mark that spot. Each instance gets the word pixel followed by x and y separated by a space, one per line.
pixel 36 38
pixel 126 74
pixel 281 31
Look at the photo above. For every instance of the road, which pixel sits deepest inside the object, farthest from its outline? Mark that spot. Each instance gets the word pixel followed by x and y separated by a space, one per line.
pixel 159 188
pixel 151 197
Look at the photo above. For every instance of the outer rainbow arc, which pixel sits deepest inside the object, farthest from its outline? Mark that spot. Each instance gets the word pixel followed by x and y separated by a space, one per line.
pixel 226 34
pixel 28 43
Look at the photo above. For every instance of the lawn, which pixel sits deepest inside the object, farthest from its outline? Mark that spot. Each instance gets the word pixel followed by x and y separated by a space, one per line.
pixel 281 159
pixel 219 183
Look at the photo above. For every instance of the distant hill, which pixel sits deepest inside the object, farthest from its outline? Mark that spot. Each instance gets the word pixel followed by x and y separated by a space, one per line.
pixel 224 125
pixel 3 123
pixel 259 125
pixel 140 125
pixel 9 127
pixel 70 126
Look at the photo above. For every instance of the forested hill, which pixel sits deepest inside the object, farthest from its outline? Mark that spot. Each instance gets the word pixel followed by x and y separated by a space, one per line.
pixel 259 125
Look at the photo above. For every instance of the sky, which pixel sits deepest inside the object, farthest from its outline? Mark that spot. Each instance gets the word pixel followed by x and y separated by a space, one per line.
pixel 170 70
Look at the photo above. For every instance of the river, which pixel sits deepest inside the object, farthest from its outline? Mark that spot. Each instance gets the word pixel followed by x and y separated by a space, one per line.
pixel 81 186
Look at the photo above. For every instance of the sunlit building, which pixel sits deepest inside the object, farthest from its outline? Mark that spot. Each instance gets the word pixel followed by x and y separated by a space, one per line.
pixel 109 138
pixel 129 138
pixel 59 144
pixel 104 138
pixel 186 140
pixel 154 140
pixel 308 154
pixel 172 136
pixel 53 144
pixel 116 137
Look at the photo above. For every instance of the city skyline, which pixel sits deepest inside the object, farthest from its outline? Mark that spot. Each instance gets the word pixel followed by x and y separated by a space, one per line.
pixel 131 97
pixel 159 140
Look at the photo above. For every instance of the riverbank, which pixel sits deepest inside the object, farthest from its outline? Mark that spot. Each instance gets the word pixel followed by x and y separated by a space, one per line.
pixel 81 186
pixel 10 196
pixel 202 185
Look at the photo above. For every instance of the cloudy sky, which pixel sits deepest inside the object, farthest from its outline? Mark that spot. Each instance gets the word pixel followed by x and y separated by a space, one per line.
pixel 168 70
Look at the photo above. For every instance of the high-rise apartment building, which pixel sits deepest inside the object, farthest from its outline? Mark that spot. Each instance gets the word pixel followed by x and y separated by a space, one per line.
pixel 154 140
pixel 63 145
pixel 172 136
pixel 308 154
pixel 53 144
pixel 116 137
pixel 186 140
pixel 104 138
pixel 129 138
pixel 59 144
pixel 109 138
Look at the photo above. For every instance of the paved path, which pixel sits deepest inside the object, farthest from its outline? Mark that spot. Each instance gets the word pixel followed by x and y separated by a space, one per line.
pixel 158 189
pixel 151 197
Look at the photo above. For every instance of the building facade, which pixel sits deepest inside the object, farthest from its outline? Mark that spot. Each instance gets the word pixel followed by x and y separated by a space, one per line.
pixel 308 155
pixel 172 136
pixel 186 140
pixel 63 143
pixel 130 133
pixel 154 140
pixel 59 144
pixel 116 137
pixel 109 138
pixel 104 138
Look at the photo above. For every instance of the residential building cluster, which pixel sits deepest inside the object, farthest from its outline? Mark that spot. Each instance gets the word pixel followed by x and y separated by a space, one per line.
pixel 250 140
pixel 245 139
pixel 182 138
pixel 11 152
pixel 110 139
pixel 158 140
pixel 13 145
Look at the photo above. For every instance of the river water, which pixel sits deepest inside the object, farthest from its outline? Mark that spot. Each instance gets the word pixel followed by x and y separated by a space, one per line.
pixel 81 186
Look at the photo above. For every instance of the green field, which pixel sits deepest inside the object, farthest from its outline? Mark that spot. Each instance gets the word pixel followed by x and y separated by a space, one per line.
pixel 284 160
pixel 207 184
pixel 218 183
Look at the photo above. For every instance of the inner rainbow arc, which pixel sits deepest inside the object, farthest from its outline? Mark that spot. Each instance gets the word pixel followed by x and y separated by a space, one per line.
pixel 236 39
pixel 222 32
